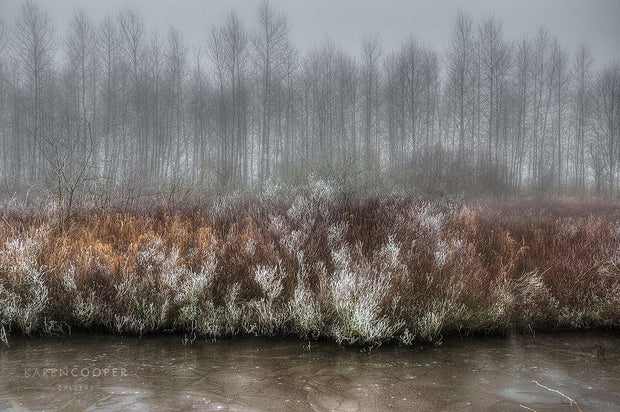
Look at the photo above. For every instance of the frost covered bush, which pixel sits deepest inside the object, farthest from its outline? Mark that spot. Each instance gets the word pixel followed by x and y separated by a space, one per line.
pixel 357 293
pixel 304 307
pixel 271 314
pixel 234 313
pixel 315 200
pixel 335 235
pixel 23 292
pixel 439 315
pixel 270 281
pixel 142 298
pixel 305 311
pixel 310 264
pixel 196 310
pixel 86 304
pixel 429 216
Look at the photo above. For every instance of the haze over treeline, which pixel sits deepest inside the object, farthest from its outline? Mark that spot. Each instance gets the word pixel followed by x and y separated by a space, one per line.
pixel 119 104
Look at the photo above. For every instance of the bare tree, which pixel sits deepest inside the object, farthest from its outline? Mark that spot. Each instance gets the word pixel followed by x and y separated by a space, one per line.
pixel 176 62
pixel 495 59
pixel 108 43
pixel 229 53
pixel 271 45
pixel 70 164
pixel 460 66
pixel 582 67
pixel 490 114
pixel 523 74
pixel 606 145
pixel 371 55
pixel 200 114
pixel 33 50
pixel 133 40
pixel 80 50
pixel 539 68
pixel 5 142
pixel 560 83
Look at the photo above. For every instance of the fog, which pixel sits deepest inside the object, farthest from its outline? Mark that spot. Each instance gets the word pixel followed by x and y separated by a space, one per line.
pixel 596 22
pixel 361 172
pixel 424 98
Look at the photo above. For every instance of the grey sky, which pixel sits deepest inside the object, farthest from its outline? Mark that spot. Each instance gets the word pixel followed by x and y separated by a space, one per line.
pixel 596 22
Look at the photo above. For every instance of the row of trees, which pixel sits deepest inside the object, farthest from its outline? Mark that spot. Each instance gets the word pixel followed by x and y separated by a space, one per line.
pixel 114 101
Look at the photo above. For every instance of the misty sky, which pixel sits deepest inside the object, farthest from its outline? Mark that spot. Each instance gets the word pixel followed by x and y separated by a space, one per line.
pixel 595 21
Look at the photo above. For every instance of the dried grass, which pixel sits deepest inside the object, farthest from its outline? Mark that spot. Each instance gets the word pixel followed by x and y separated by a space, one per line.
pixel 364 271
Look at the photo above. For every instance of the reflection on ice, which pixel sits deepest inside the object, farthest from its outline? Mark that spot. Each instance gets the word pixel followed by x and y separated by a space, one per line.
pixel 265 374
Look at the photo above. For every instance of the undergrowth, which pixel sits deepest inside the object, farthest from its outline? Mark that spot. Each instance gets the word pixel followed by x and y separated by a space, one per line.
pixel 361 271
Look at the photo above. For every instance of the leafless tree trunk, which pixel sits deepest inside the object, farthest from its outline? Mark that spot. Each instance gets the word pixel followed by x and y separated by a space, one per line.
pixel 371 55
pixel 33 50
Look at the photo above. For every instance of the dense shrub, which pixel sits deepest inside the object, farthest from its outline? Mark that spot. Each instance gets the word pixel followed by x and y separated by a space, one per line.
pixel 308 264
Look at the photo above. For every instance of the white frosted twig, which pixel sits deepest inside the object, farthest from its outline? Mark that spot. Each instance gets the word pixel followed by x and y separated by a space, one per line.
pixel 572 401
pixel 3 337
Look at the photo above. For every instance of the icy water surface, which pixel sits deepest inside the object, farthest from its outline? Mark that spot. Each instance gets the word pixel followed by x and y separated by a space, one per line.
pixel 103 372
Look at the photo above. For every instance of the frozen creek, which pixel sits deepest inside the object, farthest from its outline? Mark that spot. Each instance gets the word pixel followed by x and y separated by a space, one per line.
pixel 96 372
